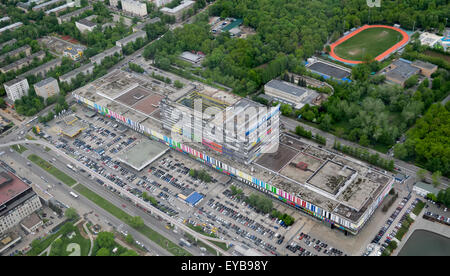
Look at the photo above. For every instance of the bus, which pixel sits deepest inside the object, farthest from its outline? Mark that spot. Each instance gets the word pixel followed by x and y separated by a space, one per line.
pixel 73 194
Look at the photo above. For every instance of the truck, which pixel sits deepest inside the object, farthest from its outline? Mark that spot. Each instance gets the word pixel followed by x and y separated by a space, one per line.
pixel 71 167
pixel 73 194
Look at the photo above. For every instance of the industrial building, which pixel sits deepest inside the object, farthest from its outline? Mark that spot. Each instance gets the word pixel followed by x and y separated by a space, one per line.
pixel 17 201
pixel 85 25
pixel 134 7
pixel 16 88
pixel 178 11
pixel 338 191
pixel 131 38
pixel 47 87
pixel 84 69
pixel 97 59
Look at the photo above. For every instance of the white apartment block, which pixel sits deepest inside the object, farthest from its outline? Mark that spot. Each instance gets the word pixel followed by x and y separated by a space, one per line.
pixel 16 88
pixel 134 7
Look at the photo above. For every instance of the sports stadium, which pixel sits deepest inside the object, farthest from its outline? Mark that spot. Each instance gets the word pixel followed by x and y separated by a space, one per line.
pixel 377 41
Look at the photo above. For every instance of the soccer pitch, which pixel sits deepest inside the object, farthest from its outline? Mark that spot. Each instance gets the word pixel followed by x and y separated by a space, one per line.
pixel 375 42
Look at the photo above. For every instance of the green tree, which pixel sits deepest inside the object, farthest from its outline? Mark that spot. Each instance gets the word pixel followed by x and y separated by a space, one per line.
pixel 71 213
pixel 420 174
pixel 129 239
pixel 436 178
pixel 103 252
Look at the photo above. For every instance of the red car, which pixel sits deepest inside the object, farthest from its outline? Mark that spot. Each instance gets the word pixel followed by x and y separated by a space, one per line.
pixel 124 206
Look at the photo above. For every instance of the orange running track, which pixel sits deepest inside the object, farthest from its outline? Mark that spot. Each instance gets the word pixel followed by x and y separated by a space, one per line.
pixel 365 27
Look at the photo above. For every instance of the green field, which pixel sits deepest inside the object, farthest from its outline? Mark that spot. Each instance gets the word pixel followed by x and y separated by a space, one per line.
pixel 84 244
pixel 52 170
pixel 18 148
pixel 123 216
pixel 373 42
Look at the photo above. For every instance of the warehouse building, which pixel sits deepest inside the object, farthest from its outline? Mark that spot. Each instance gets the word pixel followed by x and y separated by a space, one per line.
pixel 17 201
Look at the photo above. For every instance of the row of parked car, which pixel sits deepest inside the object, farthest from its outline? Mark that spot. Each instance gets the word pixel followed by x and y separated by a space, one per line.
pixel 391 219
pixel 436 217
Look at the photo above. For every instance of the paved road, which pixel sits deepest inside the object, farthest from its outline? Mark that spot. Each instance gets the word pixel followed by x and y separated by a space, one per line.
pixel 291 124
pixel 114 199
pixel 83 203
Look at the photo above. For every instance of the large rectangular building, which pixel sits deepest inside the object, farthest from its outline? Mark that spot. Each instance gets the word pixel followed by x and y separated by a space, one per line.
pixel 97 59
pixel 131 38
pixel 179 10
pixel 341 192
pixel 43 69
pixel 47 87
pixel 19 64
pixel 16 88
pixel 86 69
pixel 286 92
pixel 68 16
pixel 14 53
pixel 17 201
pixel 134 7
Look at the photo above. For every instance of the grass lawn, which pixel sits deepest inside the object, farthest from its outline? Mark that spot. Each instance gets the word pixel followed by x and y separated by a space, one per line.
pixel 18 148
pixel 372 41
pixel 419 206
pixel 52 170
pixel 84 244
pixel 123 216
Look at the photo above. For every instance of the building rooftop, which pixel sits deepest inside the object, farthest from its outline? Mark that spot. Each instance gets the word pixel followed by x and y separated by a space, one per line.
pixel 178 8
pixel 132 37
pixel 402 70
pixel 287 87
pixel 75 13
pixel 78 70
pixel 43 67
pixel 14 81
pixel 423 64
pixel 14 25
pixel 27 59
pixel 139 155
pixel 191 57
pixel 10 186
pixel 45 82
pixel 62 7
pixel 86 22
pixel 31 221
pixel 427 187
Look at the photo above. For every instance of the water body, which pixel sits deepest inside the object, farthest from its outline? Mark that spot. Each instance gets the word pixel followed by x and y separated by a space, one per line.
pixel 426 243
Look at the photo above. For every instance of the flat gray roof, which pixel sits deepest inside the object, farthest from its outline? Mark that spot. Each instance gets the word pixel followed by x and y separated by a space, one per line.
pixel 424 64
pixel 143 153
pixel 45 82
pixel 287 88
pixel 403 70
pixel 86 22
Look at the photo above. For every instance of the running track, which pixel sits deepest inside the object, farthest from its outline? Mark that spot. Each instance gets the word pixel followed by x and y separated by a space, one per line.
pixel 365 27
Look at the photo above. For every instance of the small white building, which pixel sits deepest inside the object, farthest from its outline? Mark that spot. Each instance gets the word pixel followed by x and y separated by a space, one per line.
pixel 423 189
pixel 16 88
pixel 47 88
pixel 287 92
